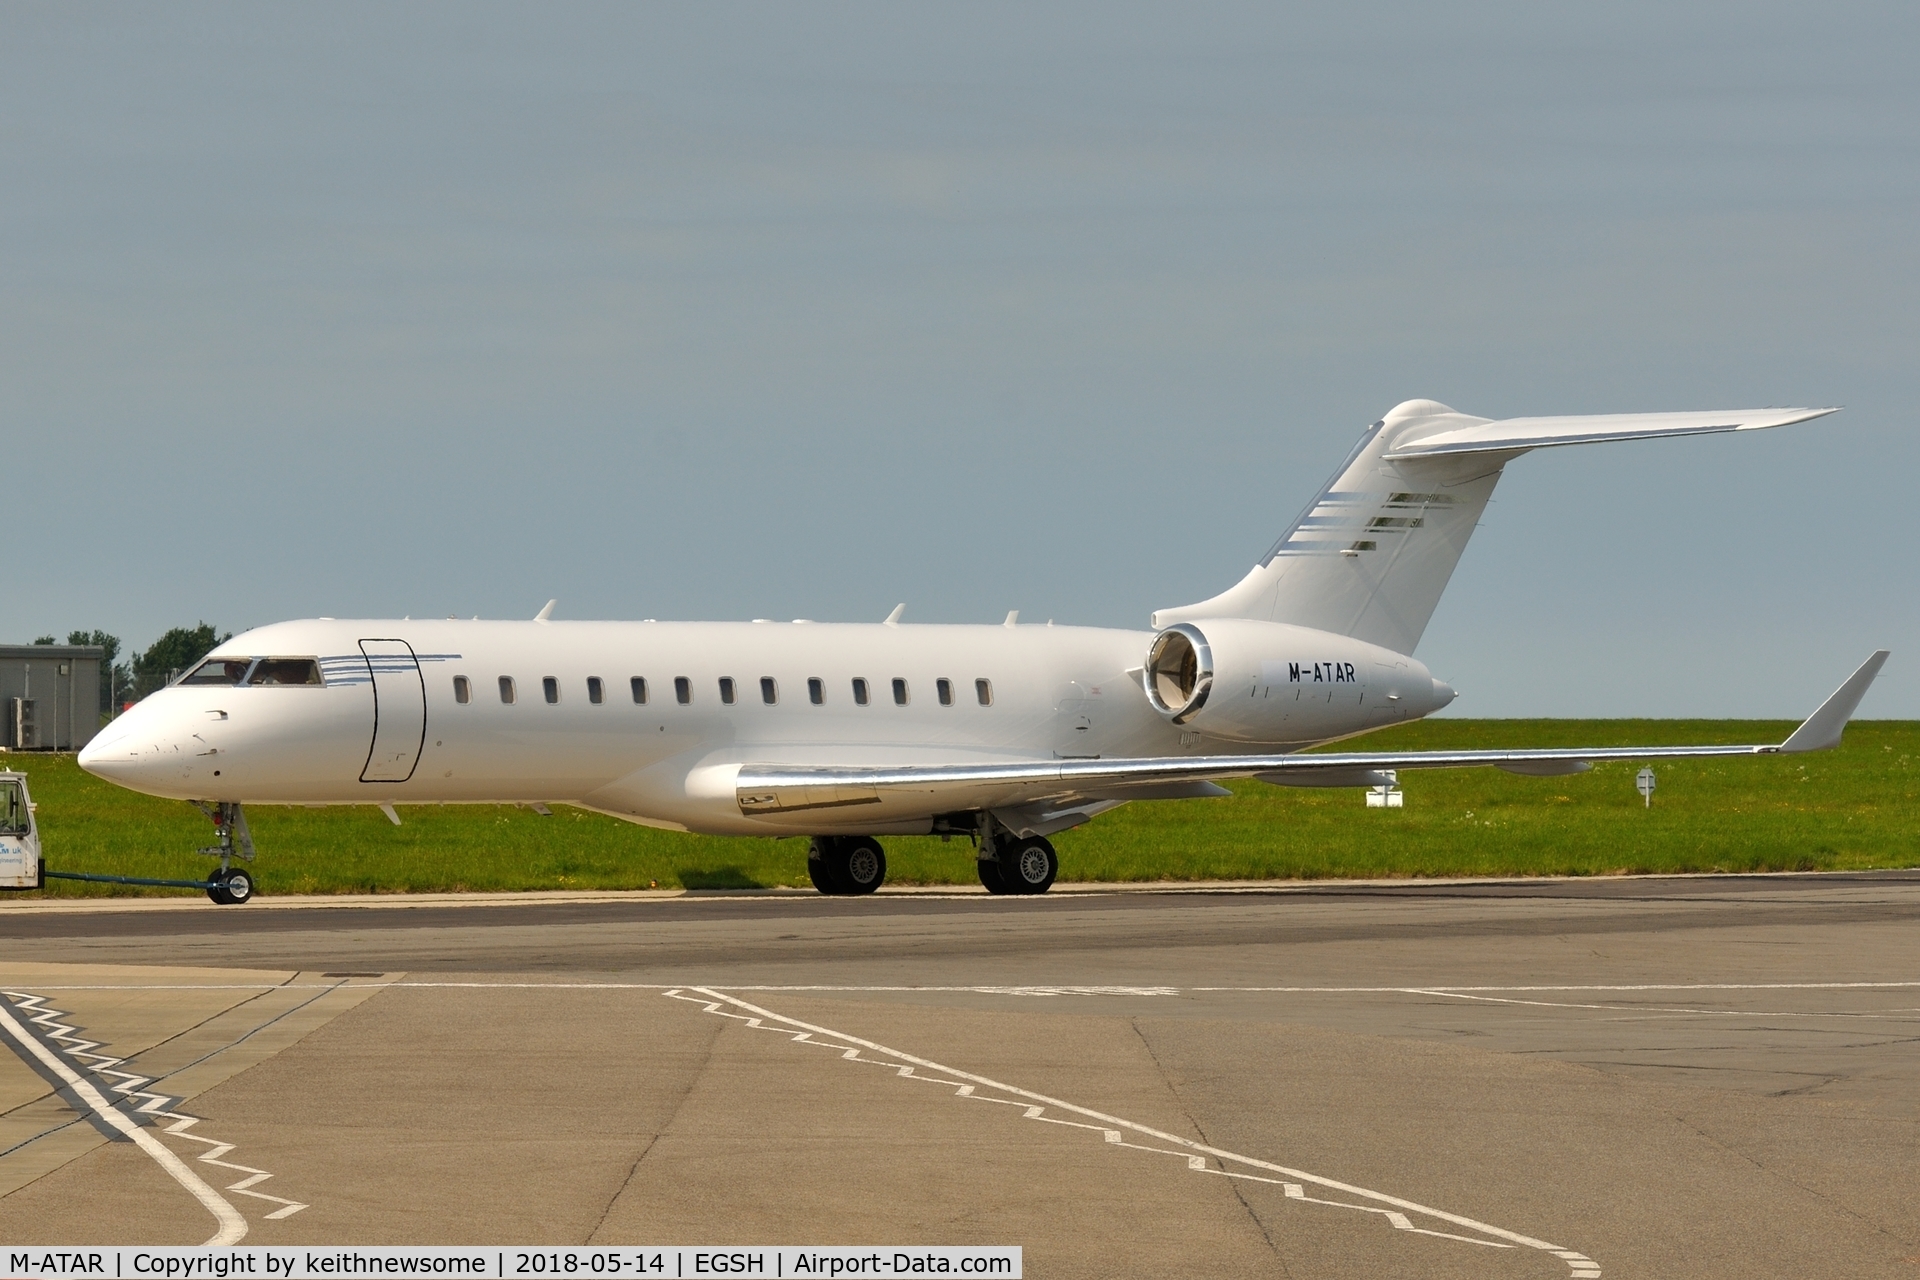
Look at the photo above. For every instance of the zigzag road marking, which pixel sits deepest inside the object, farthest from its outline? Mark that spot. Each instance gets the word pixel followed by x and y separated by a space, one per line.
pixel 1114 1129
pixel 156 1106
pixel 232 1228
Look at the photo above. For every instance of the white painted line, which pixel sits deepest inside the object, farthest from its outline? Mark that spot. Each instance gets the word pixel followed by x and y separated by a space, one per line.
pixel 1029 989
pixel 233 1227
pixel 1639 1010
pixel 1645 986
pixel 158 1105
pixel 1108 1124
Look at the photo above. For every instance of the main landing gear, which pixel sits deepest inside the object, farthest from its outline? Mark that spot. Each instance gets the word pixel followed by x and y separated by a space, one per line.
pixel 1012 865
pixel 228 885
pixel 844 865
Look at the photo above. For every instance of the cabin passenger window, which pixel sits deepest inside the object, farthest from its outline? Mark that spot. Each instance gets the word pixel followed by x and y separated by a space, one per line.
pixel 462 691
pixel 816 690
pixel 769 691
pixel 899 692
pixel 682 690
pixel 726 690
pixel 944 687
pixel 859 692
pixel 596 694
pixel 285 671
pixel 639 690
pixel 506 690
pixel 551 687
pixel 983 690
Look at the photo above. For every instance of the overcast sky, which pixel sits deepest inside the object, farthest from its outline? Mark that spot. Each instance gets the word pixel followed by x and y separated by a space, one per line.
pixel 735 311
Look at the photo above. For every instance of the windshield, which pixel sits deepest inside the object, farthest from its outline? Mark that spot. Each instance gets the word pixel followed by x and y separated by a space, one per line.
pixel 285 671
pixel 13 810
pixel 218 671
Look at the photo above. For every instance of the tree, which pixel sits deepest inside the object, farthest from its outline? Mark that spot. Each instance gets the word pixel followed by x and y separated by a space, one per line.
pixel 116 679
pixel 176 651
pixel 44 640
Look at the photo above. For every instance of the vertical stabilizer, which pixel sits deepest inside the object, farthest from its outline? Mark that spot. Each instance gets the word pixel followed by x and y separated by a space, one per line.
pixel 1370 556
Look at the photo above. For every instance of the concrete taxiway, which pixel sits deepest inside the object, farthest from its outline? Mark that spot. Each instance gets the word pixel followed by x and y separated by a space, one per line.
pixel 1702 1076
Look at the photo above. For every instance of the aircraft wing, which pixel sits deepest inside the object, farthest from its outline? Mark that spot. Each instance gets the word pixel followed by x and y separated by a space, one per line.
pixel 774 789
pixel 1509 434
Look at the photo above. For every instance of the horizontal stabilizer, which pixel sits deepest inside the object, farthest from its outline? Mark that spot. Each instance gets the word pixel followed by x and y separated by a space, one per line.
pixel 1508 434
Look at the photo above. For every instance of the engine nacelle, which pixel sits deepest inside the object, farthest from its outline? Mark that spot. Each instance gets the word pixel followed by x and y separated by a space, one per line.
pixel 1251 681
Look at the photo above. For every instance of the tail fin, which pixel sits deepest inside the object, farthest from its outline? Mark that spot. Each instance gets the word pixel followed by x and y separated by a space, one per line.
pixel 1370 556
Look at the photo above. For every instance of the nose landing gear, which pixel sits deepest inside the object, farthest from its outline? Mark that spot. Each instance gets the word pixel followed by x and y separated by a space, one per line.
pixel 228 885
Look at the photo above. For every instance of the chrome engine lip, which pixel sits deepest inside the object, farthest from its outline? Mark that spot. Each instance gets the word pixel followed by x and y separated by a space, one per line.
pixel 1203 675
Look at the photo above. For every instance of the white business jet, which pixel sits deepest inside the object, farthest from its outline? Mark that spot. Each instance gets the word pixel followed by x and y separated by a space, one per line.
pixel 842 733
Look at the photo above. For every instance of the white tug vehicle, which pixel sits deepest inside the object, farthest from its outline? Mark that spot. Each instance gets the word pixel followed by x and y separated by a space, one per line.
pixel 19 835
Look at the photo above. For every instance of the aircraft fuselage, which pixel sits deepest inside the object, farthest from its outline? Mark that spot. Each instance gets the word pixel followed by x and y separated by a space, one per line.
pixel 635 718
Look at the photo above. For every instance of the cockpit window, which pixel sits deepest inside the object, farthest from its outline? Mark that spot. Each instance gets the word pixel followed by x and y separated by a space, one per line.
pixel 285 671
pixel 13 811
pixel 218 671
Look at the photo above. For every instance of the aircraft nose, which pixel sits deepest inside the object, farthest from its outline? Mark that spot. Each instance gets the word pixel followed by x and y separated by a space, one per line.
pixel 111 755
pixel 142 751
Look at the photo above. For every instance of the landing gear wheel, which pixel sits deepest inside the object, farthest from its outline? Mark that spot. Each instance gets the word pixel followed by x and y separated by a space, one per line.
pixel 862 865
pixel 846 865
pixel 1028 866
pixel 990 876
pixel 817 866
pixel 230 888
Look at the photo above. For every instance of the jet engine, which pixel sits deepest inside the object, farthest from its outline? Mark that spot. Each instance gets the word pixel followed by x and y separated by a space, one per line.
pixel 1250 681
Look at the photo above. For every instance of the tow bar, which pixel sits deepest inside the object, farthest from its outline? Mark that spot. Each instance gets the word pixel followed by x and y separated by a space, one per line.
pixel 21 866
pixel 227 884
pixel 207 884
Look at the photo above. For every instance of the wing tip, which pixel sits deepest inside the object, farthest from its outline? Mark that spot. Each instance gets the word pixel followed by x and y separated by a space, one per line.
pixel 1823 730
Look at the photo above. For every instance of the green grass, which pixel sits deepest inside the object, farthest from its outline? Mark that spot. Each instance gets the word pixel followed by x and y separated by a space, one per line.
pixel 1846 809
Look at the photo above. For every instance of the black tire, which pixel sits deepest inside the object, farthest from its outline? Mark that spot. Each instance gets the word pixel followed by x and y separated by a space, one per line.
pixel 239 888
pixel 990 876
pixel 217 892
pixel 861 865
pixel 1028 866
pixel 819 864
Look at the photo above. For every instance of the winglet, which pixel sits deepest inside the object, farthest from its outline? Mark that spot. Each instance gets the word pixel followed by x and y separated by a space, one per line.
pixel 545 613
pixel 893 619
pixel 1823 728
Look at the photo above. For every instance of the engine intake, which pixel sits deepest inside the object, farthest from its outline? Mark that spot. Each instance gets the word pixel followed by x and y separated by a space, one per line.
pixel 1270 682
pixel 1179 672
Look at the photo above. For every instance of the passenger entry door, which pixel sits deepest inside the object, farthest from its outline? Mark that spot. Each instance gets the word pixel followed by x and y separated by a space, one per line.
pixel 399 711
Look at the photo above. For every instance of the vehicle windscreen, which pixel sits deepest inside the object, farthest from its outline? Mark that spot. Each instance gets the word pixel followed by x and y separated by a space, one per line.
pixel 285 671
pixel 13 810
pixel 218 671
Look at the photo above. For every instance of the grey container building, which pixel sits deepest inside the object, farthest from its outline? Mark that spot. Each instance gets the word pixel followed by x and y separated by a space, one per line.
pixel 49 696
